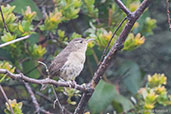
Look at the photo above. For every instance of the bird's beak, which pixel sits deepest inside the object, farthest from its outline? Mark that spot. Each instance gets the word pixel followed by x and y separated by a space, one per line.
pixel 89 40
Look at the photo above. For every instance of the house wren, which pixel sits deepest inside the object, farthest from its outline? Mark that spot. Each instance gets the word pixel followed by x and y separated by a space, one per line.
pixel 70 61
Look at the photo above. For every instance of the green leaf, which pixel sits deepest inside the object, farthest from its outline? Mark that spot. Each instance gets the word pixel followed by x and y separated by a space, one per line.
pixel 22 4
pixel 102 97
pixel 34 38
pixel 5 55
pixel 29 68
pixel 132 76
pixel 117 106
pixel 105 94
pixel 124 103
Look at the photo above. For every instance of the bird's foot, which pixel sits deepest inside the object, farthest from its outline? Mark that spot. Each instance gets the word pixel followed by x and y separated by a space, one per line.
pixel 72 83
pixel 69 83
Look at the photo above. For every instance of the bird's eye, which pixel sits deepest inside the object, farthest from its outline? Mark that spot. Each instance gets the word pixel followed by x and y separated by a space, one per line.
pixel 81 41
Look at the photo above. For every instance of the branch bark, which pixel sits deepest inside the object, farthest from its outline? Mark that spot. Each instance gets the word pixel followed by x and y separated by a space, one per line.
pixel 116 47
pixel 14 41
pixel 6 98
pixel 5 25
pixel 168 14
pixel 44 81
pixel 34 100
pixel 123 7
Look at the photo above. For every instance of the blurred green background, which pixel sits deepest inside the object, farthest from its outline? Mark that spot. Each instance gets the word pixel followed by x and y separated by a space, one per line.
pixel 52 23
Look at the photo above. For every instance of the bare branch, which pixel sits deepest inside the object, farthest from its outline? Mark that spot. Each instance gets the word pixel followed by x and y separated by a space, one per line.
pixel 47 71
pixel 119 43
pixel 44 81
pixel 32 97
pixel 5 26
pixel 168 15
pixel 14 41
pixel 57 100
pixel 34 100
pixel 6 98
pixel 107 60
pixel 123 7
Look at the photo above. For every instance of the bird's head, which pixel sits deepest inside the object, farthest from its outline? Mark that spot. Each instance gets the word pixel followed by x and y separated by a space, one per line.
pixel 79 43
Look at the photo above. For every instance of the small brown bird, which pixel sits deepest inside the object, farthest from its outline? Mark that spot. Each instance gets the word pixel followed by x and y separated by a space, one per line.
pixel 70 61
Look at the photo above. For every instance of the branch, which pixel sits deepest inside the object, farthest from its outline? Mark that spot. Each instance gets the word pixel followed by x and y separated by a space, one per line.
pixel 123 7
pixel 107 60
pixel 32 97
pixel 34 100
pixel 168 15
pixel 62 108
pixel 5 26
pixel 44 81
pixel 119 43
pixel 6 98
pixel 105 50
pixel 14 41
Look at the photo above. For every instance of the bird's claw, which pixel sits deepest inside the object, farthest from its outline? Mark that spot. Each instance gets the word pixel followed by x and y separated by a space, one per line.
pixel 72 83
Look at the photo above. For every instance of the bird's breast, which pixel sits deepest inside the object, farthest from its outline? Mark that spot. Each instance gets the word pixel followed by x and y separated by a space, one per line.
pixel 73 66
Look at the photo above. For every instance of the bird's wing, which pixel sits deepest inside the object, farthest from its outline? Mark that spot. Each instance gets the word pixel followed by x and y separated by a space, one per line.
pixel 57 63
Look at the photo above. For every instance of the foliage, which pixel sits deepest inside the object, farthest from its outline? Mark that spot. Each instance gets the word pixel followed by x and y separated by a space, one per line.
pixel 133 76
pixel 105 94
pixel 8 66
pixel 132 42
pixel 52 21
pixel 154 93
pixel 62 21
pixel 69 8
pixel 90 10
pixel 15 106
pixel 18 28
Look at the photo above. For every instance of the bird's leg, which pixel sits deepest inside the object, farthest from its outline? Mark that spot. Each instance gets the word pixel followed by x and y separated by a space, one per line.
pixel 75 84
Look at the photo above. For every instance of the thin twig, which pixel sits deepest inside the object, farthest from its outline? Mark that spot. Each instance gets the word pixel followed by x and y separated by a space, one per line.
pixel 105 50
pixel 97 62
pixel 57 100
pixel 6 98
pixel 33 98
pixel 107 60
pixel 14 41
pixel 47 71
pixel 119 43
pixel 95 56
pixel 123 7
pixel 5 26
pixel 32 69
pixel 44 81
pixel 168 14
pixel 37 26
